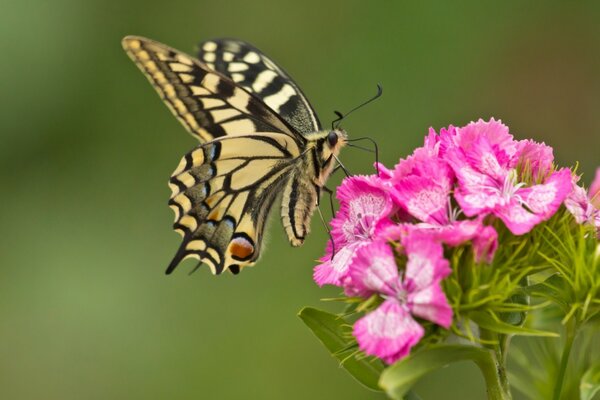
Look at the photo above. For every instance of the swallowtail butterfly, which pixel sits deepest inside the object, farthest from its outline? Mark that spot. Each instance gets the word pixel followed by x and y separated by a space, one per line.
pixel 259 138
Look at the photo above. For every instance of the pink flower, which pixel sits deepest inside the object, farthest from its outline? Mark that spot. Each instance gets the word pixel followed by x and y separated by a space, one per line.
pixel 537 157
pixel 585 205
pixel 391 331
pixel 364 210
pixel 484 158
pixel 422 185
pixel 578 203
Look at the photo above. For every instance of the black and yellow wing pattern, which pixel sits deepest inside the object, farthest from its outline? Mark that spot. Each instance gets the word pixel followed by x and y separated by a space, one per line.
pixel 259 75
pixel 259 138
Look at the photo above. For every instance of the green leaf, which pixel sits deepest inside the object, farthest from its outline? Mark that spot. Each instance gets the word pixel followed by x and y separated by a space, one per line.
pixel 516 318
pixel 590 383
pixel 400 377
pixel 486 321
pixel 334 333
pixel 554 288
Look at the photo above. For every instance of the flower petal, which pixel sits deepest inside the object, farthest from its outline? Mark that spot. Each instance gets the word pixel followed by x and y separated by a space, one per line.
pixel 364 203
pixel 389 332
pixel 431 304
pixel 485 244
pixel 423 198
pixel 453 234
pixel 545 199
pixel 579 205
pixel 538 156
pixel 517 219
pixel 594 192
pixel 333 271
pixel 426 263
pixel 374 270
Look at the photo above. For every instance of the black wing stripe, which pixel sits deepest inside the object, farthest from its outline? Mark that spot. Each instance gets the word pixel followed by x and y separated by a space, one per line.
pixel 258 74
pixel 207 103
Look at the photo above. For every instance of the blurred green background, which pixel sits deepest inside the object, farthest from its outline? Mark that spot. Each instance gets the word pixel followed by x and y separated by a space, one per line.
pixel 87 147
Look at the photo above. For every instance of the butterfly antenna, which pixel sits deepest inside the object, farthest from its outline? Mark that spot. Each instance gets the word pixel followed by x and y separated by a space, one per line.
pixel 360 148
pixel 374 143
pixel 343 116
pixel 340 117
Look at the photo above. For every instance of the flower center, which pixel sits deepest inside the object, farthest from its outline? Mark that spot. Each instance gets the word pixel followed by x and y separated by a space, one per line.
pixel 363 229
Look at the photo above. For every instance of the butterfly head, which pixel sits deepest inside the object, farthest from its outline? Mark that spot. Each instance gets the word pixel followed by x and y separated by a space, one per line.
pixel 327 147
pixel 335 140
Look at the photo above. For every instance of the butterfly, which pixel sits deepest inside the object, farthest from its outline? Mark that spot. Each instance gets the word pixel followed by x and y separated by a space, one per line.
pixel 259 139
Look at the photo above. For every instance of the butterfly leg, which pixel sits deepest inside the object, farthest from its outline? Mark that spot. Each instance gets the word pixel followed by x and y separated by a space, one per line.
pixel 340 165
pixel 330 193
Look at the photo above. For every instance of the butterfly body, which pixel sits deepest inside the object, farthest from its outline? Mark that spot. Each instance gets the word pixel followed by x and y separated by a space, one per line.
pixel 260 139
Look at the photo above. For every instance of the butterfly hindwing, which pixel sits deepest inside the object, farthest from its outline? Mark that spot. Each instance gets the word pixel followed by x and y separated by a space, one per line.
pixel 251 69
pixel 207 103
pixel 222 193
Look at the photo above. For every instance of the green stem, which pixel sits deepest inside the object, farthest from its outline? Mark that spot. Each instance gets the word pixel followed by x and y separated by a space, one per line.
pixel 493 369
pixel 494 374
pixel 564 361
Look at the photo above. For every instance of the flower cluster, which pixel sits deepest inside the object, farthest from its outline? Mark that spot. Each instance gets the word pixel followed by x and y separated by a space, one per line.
pixel 389 235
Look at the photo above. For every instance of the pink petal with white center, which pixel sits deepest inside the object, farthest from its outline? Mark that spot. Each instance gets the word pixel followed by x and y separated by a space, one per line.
pixel 544 199
pixel 364 204
pixel 594 192
pixel 333 271
pixel 389 332
pixel 517 219
pixel 430 303
pixel 485 244
pixel 426 263
pixel 423 198
pixel 374 270
pixel 483 157
pixel 477 192
pixel 538 156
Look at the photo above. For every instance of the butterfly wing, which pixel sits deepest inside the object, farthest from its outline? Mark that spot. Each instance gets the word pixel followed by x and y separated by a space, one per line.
pixel 251 69
pixel 255 125
pixel 222 193
pixel 207 103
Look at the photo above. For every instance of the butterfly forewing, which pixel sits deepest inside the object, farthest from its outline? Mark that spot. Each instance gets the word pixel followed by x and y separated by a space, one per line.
pixel 222 192
pixel 208 104
pixel 259 75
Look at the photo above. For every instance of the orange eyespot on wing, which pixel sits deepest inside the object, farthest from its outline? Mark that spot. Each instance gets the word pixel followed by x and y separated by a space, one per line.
pixel 222 194
pixel 241 247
